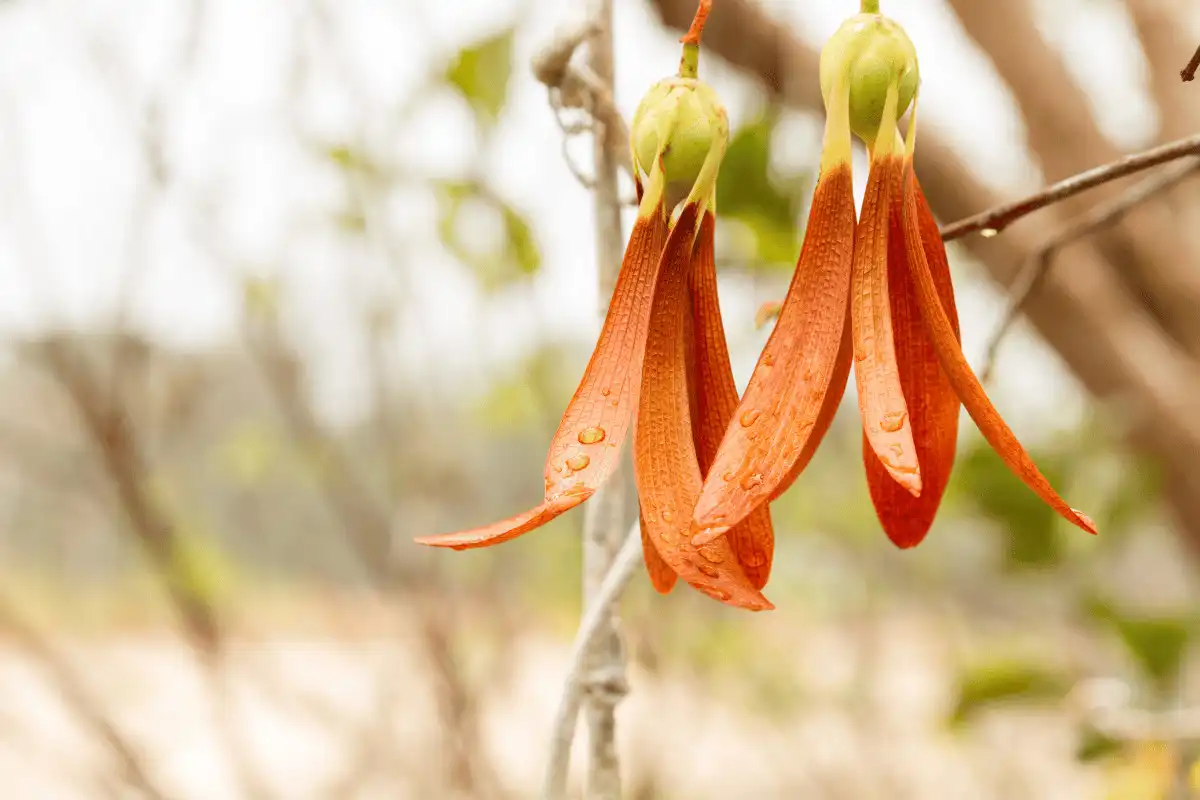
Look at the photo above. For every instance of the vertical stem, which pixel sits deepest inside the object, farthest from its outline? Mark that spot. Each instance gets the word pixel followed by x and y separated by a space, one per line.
pixel 604 682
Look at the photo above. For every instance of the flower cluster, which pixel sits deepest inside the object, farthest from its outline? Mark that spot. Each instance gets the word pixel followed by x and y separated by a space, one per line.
pixel 871 290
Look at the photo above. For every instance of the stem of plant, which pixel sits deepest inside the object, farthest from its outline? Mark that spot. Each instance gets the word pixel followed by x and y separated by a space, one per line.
pixel 604 526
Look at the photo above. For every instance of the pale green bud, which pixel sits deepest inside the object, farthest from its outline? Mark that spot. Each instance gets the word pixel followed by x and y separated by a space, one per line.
pixel 873 53
pixel 689 115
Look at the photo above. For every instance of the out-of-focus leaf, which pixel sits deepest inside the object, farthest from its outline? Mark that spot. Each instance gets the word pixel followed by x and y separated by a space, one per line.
pixel 1094 745
pixel 1134 496
pixel 481 73
pixel 1033 537
pixel 1157 643
pixel 495 263
pixel 748 192
pixel 1003 681
pixel 535 392
pixel 260 298
pixel 351 159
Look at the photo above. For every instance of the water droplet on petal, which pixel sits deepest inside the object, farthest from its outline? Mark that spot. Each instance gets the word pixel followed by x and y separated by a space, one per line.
pixel 894 421
pixel 988 233
pixel 752 481
pixel 720 594
pixel 767 360
pixel 727 477
pixel 711 572
pixel 667 515
pixel 860 355
pixel 606 392
pixel 711 555
pixel 667 536
pixel 591 435
pixel 576 463
pixel 750 417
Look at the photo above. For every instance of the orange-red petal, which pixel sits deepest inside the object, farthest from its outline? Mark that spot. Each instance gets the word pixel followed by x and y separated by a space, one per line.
pixel 714 399
pixel 662 577
pixel 880 399
pixel 665 465
pixel 587 445
pixel 959 373
pixel 777 417
pixel 932 404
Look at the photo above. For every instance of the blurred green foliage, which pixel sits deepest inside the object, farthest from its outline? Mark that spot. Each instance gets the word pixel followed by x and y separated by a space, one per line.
pixel 481 72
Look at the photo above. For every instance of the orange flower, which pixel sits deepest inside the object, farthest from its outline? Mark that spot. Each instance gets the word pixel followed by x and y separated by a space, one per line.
pixel 662 352
pixel 875 292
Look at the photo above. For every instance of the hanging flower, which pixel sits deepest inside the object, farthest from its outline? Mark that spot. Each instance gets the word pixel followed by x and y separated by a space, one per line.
pixel 876 293
pixel 661 359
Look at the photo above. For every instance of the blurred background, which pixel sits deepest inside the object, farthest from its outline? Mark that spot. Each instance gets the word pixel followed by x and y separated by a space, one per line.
pixel 284 284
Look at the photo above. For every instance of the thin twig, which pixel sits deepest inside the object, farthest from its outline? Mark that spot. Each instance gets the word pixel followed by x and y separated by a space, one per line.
pixel 1037 267
pixel 604 677
pixel 1188 73
pixel 993 221
pixel 595 620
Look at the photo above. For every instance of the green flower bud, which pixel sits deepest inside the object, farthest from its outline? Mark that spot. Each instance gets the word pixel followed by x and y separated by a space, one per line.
pixel 682 119
pixel 872 52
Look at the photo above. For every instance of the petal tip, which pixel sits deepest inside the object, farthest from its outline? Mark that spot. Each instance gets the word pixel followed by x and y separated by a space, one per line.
pixel 1085 522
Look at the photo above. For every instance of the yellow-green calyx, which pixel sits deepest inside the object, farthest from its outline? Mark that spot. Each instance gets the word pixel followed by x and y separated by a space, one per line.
pixel 681 125
pixel 872 54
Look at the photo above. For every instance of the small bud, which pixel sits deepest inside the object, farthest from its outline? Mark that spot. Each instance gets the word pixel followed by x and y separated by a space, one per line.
pixel 689 116
pixel 872 53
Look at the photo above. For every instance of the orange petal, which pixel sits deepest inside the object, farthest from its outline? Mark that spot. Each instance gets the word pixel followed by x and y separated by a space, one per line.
pixel 932 404
pixel 509 528
pixel 662 577
pixel 587 446
pixel 828 410
pixel 665 465
pixel 959 373
pixel 778 415
pixel 714 399
pixel 880 399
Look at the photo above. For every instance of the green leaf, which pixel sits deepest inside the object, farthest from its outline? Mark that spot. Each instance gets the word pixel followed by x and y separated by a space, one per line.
pixel 1033 536
pixel 748 192
pixel 481 73
pixel 496 264
pixel 1158 643
pixel 1094 745
pixel 1004 681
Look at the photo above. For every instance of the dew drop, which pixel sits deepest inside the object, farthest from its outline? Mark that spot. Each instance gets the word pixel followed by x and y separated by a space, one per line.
pixel 710 571
pixel 727 477
pixel 711 555
pixel 667 515
pixel 606 392
pixel 720 594
pixel 576 463
pixel 750 417
pixel 988 233
pixel 767 360
pixel 860 355
pixel 667 536
pixel 591 435
pixel 893 422
pixel 751 481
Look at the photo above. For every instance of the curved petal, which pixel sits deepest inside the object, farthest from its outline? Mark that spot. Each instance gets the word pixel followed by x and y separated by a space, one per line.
pixel 714 398
pixel 959 373
pixel 662 577
pixel 665 465
pixel 932 404
pixel 777 417
pixel 509 528
pixel 587 445
pixel 880 399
